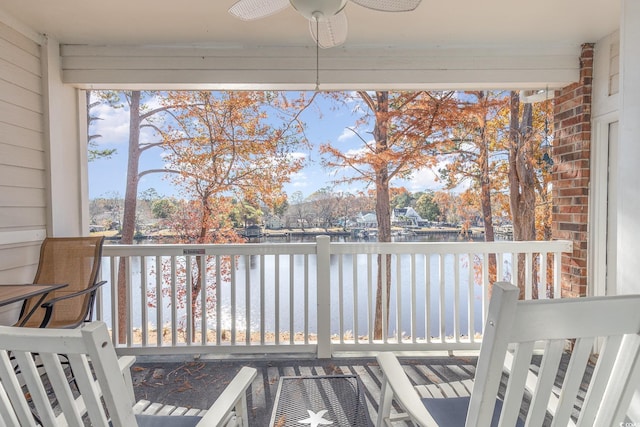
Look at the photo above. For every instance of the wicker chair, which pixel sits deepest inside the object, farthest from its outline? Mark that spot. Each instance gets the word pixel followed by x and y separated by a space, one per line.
pixel 74 261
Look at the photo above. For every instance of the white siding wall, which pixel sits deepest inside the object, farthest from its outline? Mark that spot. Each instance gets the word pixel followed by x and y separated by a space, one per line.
pixel 22 158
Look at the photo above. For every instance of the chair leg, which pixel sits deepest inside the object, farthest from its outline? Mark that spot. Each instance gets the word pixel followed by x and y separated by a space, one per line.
pixel 242 411
pixel 386 398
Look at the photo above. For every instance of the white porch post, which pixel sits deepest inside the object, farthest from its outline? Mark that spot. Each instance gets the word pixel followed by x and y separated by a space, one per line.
pixel 629 150
pixel 66 151
pixel 323 283
pixel 628 160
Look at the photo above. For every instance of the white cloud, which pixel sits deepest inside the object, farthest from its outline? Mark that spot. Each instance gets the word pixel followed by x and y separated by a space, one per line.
pixel 424 179
pixel 356 152
pixel 113 125
pixel 346 135
pixel 299 180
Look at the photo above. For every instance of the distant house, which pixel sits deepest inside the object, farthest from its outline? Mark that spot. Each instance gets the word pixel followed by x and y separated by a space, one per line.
pixel 273 222
pixel 405 217
pixel 368 220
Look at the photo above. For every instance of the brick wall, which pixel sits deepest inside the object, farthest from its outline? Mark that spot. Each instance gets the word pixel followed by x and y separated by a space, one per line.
pixel 571 153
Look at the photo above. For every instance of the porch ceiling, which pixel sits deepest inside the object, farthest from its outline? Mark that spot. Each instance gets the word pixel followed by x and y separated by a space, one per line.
pixel 461 23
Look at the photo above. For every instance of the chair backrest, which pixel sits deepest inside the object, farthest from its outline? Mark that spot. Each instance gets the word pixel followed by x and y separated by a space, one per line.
pixel 519 327
pixel 71 260
pixel 101 393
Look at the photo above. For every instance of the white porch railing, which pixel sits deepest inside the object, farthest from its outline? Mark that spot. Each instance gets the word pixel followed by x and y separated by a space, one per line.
pixel 314 298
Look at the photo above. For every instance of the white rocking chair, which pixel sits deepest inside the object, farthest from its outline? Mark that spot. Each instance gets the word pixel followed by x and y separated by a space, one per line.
pixel 104 394
pixel 514 327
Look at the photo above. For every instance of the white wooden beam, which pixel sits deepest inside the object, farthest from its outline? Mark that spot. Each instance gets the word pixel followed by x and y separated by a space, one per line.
pixel 339 68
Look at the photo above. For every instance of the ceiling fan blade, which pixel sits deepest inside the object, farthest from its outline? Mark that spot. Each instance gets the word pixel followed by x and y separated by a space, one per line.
pixel 332 30
pixel 389 5
pixel 248 10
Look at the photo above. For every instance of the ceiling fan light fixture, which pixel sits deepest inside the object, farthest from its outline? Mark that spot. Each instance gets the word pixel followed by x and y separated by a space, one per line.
pixel 318 9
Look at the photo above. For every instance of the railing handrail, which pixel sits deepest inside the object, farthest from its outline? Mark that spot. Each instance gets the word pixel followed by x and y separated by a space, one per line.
pixel 340 248
pixel 451 247
pixel 209 249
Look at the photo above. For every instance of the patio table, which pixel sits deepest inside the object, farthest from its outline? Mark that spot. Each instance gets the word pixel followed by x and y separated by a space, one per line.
pixel 320 400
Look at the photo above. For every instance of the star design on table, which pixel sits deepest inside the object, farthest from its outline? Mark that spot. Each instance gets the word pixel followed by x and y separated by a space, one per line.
pixel 316 419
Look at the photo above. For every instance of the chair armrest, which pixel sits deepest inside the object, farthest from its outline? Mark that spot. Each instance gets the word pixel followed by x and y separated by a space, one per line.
pixel 48 306
pixel 90 289
pixel 234 393
pixel 403 390
pixel 126 362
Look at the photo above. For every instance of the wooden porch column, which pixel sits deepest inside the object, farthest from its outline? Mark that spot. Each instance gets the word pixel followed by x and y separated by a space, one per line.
pixel 571 154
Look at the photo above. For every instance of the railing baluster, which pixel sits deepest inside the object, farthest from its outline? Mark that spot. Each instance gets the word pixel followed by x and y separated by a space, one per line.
pixel 276 303
pixel 356 312
pixel 414 295
pixel 144 326
pixel 341 328
pixel 427 297
pixel 292 330
pixel 472 299
pixel 218 267
pixel 456 297
pixel 188 261
pixel 262 299
pixel 528 275
pixel 323 295
pixel 442 306
pixel 557 272
pixel 305 299
pixel 233 298
pixel 370 297
pixel 174 308
pixel 398 307
pixel 485 284
pixel 247 299
pixel 159 305
pixel 204 329
pixel 542 275
pixel 515 266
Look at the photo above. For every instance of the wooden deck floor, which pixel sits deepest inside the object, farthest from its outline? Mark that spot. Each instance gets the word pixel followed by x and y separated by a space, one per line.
pixel 198 383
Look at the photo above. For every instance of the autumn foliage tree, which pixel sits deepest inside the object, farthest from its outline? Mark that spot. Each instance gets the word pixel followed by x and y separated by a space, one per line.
pixel 225 146
pixel 407 127
pixel 472 155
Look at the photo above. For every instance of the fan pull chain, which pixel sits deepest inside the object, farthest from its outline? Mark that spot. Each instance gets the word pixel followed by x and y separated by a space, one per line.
pixel 317 54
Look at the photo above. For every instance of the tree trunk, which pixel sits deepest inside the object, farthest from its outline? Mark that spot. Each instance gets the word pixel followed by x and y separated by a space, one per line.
pixel 522 196
pixel 485 193
pixel 130 204
pixel 383 213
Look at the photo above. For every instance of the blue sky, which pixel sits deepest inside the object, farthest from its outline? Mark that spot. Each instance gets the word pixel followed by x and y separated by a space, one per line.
pixel 325 124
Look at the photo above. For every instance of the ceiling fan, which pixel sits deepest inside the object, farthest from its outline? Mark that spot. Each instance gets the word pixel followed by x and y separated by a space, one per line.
pixel 327 19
